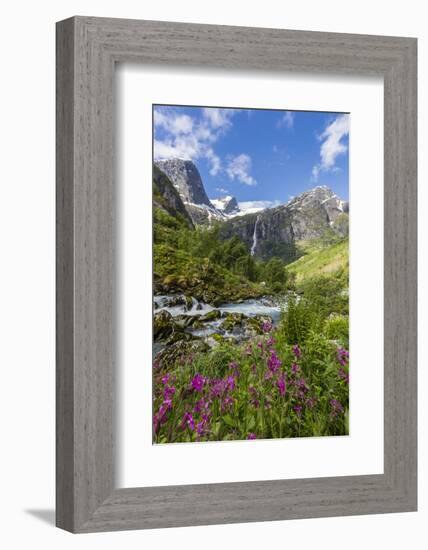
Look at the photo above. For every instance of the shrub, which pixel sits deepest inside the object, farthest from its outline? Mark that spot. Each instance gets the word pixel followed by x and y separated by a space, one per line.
pixel 336 328
pixel 298 318
pixel 327 294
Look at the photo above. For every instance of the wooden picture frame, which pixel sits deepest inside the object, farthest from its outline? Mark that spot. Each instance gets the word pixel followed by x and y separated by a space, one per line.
pixel 87 50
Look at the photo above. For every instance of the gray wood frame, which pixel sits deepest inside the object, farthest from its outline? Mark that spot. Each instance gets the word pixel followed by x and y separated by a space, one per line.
pixel 87 50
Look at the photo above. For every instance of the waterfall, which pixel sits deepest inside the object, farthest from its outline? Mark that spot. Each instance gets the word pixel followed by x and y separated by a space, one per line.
pixel 253 248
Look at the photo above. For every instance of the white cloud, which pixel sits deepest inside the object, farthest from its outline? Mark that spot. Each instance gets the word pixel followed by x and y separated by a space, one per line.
pixel 190 137
pixel 315 172
pixel 182 146
pixel 249 207
pixel 222 190
pixel 239 167
pixel 218 118
pixel 332 145
pixel 215 162
pixel 164 149
pixel 174 124
pixel 286 120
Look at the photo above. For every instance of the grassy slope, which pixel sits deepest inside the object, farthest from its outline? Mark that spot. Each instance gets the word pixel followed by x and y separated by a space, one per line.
pixel 318 260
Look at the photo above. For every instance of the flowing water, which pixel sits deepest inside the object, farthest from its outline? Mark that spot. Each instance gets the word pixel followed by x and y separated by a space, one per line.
pixel 249 308
pixel 253 246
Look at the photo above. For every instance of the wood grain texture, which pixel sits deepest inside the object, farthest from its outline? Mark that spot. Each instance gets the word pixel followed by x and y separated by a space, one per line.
pixel 87 49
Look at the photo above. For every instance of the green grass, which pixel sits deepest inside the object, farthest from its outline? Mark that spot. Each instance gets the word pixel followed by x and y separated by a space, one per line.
pixel 318 260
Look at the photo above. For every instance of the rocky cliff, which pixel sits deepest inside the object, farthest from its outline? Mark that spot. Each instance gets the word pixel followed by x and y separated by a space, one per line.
pixel 167 198
pixel 275 231
pixel 316 213
pixel 186 179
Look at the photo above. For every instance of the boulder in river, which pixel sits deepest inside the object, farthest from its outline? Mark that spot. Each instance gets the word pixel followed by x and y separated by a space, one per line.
pixel 212 315
pixel 163 325
pixel 232 321
pixel 186 321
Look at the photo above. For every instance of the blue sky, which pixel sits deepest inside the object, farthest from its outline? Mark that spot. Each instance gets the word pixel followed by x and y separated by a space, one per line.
pixel 254 154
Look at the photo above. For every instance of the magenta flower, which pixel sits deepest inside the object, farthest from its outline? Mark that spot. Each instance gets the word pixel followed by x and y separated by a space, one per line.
pixel 342 356
pixel 200 428
pixel 227 403
pixel 343 375
pixel 270 342
pixel 298 409
pixel 198 382
pixel 160 417
pixel 301 384
pixel 281 385
pixel 165 378
pixel 230 383
pixel 218 387
pixel 188 421
pixel 295 368
pixel 254 397
pixel 168 392
pixel 266 326
pixel 234 367
pixel 311 402
pixel 274 362
pixel 251 435
pixel 201 405
pixel 336 407
pixel 164 408
pixel 297 352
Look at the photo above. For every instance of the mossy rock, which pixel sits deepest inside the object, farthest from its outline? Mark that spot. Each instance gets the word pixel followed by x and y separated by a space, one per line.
pixel 163 325
pixel 189 302
pixel 170 280
pixel 233 320
pixel 210 316
pixel 185 321
pixel 179 352
pixel 179 335
pixel 179 300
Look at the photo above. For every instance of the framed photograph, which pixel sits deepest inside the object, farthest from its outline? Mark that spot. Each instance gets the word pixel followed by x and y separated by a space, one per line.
pixel 236 274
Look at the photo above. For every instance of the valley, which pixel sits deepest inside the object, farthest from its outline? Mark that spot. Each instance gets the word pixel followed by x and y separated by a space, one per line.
pixel 235 287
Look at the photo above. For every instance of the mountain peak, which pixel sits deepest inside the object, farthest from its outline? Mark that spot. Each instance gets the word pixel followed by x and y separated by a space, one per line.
pixel 185 177
pixel 319 196
pixel 227 205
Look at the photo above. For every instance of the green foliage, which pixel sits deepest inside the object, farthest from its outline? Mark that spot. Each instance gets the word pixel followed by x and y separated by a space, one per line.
pixel 180 251
pixel 265 389
pixel 288 252
pixel 274 271
pixel 298 319
pixel 336 328
pixel 327 294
